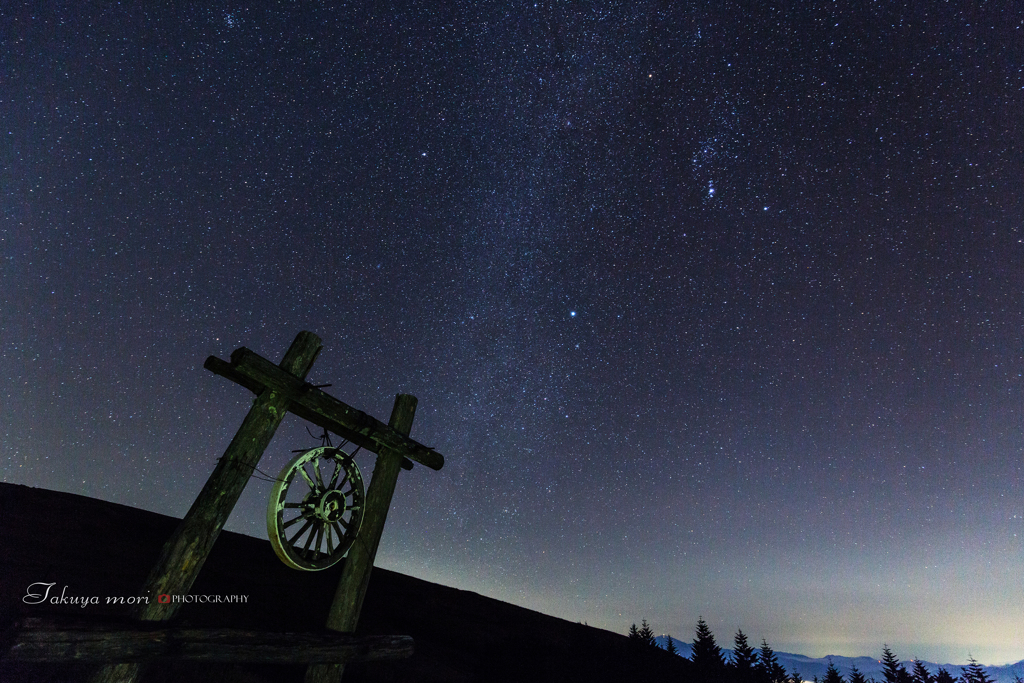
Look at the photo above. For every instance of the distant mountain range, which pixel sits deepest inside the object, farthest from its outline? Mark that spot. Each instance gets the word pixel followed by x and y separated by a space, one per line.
pixel 871 667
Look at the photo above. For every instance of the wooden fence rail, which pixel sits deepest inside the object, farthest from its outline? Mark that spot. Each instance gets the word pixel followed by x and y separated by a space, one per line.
pixel 42 640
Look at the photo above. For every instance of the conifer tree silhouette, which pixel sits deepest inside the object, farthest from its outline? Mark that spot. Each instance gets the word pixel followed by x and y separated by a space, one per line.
pixel 634 633
pixel 708 664
pixel 646 635
pixel 944 676
pixel 893 671
pixel 768 668
pixel 974 672
pixel 920 674
pixel 670 646
pixel 856 676
pixel 832 674
pixel 744 660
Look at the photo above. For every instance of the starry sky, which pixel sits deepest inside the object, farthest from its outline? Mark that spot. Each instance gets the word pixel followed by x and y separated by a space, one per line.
pixel 714 308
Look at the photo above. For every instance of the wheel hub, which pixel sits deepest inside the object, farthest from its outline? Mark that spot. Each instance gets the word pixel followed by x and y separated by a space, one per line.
pixel 331 506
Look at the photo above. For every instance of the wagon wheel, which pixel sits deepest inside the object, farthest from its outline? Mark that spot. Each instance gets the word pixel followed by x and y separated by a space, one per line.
pixel 315 509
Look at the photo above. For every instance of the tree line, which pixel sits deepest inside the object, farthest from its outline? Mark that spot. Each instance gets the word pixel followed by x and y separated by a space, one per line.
pixel 747 665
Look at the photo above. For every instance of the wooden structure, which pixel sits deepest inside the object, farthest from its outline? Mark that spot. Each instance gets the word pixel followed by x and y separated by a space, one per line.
pixel 281 389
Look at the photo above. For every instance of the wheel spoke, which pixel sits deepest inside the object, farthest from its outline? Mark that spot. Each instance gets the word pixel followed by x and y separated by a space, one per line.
pixel 302 469
pixel 294 539
pixel 341 534
pixel 293 505
pixel 330 546
pixel 292 521
pixel 337 471
pixel 309 541
pixel 319 538
pixel 319 477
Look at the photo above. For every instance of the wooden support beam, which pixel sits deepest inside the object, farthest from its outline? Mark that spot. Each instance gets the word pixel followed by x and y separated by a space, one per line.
pixel 355 575
pixel 310 403
pixel 44 641
pixel 185 552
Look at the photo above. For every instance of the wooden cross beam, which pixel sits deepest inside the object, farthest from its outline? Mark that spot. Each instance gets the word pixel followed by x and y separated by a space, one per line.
pixel 310 403
pixel 282 389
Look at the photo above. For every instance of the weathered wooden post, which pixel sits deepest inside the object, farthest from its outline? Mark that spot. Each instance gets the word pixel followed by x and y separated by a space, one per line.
pixel 355 575
pixel 185 552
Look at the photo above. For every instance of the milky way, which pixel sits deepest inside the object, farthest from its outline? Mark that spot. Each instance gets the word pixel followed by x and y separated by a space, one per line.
pixel 713 310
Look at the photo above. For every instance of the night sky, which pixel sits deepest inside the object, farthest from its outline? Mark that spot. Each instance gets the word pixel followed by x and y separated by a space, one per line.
pixel 713 310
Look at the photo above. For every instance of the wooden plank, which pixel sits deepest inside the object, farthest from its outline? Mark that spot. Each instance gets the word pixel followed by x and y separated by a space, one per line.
pixel 42 641
pixel 310 403
pixel 355 575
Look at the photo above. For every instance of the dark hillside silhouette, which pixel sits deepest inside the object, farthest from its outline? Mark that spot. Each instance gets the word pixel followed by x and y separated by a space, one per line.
pixel 102 549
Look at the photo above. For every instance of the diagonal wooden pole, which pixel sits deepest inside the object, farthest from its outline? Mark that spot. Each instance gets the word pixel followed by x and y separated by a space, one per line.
pixel 185 552
pixel 355 575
